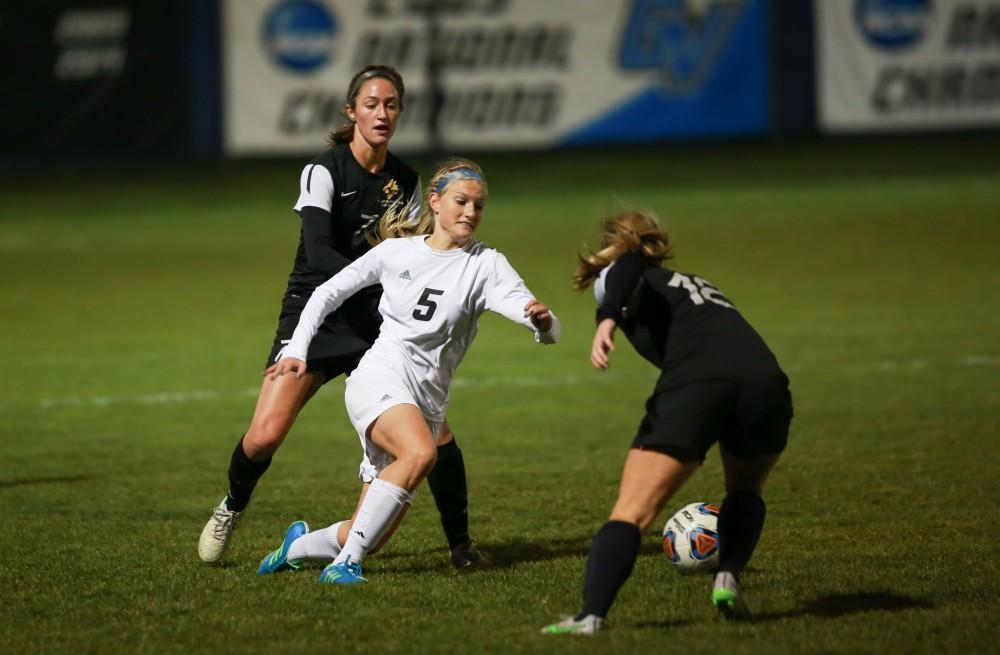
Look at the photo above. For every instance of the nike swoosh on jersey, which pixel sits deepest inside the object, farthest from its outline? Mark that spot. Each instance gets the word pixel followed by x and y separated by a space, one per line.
pixel 344 194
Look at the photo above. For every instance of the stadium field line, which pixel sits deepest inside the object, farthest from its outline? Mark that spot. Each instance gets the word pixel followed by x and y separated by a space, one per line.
pixel 570 380
pixel 168 397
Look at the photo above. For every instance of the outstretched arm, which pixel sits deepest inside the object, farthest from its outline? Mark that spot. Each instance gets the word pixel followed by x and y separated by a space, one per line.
pixel 327 297
pixel 539 314
pixel 509 297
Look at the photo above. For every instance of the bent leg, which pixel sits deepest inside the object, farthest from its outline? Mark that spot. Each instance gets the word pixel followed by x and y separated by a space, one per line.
pixel 278 404
pixel 649 479
pixel 743 512
pixel 402 432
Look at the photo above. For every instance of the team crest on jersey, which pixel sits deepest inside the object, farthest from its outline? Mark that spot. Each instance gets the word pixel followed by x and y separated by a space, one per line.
pixel 391 188
pixel 682 40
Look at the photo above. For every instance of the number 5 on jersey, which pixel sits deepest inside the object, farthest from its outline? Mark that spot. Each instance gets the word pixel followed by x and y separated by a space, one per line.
pixel 425 306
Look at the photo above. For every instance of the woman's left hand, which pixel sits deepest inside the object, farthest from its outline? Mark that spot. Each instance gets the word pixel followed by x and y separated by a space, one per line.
pixel 286 365
pixel 539 315
pixel 604 343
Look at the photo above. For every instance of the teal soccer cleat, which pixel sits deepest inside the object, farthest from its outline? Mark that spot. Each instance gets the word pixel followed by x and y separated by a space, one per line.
pixel 278 560
pixel 345 573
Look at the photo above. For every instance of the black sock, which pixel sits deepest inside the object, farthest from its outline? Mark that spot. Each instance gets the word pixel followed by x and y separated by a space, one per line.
pixel 451 493
pixel 612 556
pixel 243 476
pixel 741 520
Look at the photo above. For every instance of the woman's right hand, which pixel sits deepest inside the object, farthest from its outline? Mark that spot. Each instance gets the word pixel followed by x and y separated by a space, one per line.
pixel 286 365
pixel 604 342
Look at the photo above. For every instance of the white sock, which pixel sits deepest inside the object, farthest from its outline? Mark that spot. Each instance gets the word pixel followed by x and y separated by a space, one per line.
pixel 383 503
pixel 321 544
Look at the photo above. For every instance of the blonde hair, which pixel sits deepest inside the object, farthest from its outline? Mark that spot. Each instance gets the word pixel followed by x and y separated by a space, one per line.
pixel 629 231
pixel 396 221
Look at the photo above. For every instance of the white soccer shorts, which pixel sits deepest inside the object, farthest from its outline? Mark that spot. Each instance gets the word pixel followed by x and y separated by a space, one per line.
pixel 369 394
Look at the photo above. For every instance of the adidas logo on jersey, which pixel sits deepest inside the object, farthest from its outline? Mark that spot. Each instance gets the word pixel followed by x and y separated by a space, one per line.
pixel 385 397
pixel 405 275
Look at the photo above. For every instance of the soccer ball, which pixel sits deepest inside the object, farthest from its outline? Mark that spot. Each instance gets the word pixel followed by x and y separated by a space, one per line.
pixel 691 538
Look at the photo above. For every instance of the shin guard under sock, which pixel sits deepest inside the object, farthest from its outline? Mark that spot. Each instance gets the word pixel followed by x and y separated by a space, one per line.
pixel 612 556
pixel 243 476
pixel 382 504
pixel 451 493
pixel 741 520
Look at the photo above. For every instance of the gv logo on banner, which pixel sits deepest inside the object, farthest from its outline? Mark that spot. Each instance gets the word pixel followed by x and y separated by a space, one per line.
pixel 681 40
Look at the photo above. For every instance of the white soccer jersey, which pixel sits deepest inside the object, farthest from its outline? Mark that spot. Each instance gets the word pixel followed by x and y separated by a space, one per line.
pixel 431 304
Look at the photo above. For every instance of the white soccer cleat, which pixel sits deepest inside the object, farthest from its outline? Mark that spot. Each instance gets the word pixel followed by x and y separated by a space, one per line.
pixel 727 597
pixel 588 625
pixel 215 536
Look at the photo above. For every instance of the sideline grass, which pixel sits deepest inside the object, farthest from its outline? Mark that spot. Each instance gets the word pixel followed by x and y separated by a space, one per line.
pixel 138 310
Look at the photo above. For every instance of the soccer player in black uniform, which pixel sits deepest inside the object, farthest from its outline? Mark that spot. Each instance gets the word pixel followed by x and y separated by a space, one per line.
pixel 345 193
pixel 718 382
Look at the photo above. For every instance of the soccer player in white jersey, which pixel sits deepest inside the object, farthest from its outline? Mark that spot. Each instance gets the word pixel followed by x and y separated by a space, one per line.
pixel 344 193
pixel 435 288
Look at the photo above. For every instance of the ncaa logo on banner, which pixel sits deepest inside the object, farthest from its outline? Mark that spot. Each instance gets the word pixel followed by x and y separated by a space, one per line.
pixel 893 24
pixel 299 35
pixel 682 40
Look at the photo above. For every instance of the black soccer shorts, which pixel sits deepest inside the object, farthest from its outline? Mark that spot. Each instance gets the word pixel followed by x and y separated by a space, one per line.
pixel 339 343
pixel 685 421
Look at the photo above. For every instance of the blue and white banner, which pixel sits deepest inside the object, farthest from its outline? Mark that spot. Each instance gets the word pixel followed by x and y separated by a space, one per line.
pixel 887 65
pixel 517 73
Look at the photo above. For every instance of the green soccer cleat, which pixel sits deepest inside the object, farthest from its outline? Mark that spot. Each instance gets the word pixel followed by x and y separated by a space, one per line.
pixel 278 560
pixel 727 597
pixel 588 625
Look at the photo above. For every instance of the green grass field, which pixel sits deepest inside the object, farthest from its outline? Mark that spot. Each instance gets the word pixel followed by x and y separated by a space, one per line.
pixel 138 308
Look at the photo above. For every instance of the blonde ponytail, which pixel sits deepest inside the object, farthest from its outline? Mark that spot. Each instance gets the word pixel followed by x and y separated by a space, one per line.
pixel 637 231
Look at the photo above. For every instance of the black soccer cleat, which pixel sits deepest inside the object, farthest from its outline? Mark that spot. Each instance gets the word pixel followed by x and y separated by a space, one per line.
pixel 465 557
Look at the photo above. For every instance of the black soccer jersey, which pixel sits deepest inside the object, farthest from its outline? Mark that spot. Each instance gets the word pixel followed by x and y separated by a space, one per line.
pixel 684 326
pixel 340 204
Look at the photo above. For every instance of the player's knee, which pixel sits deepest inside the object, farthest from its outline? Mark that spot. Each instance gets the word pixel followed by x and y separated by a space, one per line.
pixel 426 459
pixel 420 460
pixel 266 434
pixel 747 475
pixel 640 514
pixel 746 479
